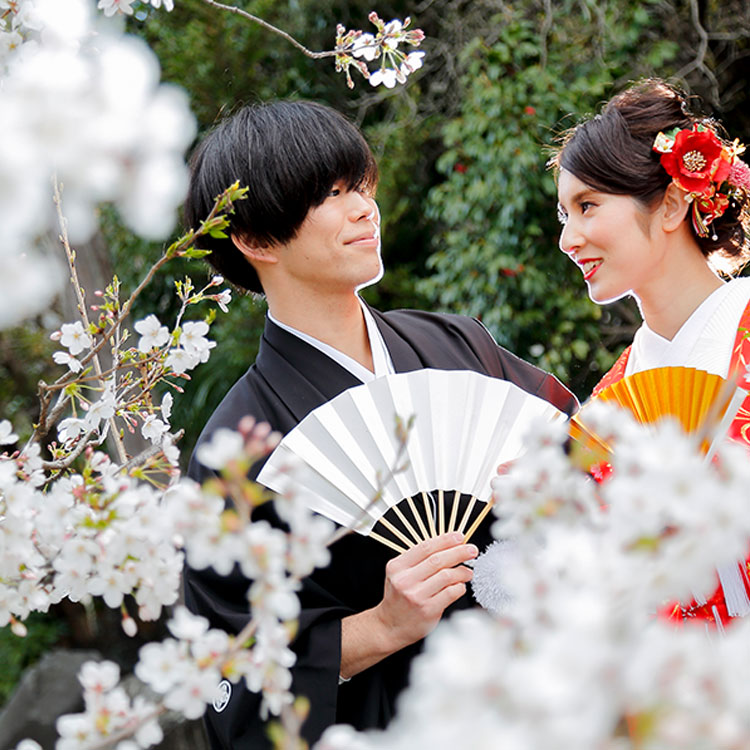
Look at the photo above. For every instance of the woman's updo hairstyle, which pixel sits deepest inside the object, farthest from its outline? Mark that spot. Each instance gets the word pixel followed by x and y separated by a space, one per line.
pixel 613 153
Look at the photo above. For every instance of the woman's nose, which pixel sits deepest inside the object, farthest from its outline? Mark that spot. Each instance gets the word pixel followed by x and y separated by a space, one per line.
pixel 569 240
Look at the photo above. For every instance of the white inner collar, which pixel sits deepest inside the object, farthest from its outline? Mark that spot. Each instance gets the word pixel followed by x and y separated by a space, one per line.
pixel 705 339
pixel 381 358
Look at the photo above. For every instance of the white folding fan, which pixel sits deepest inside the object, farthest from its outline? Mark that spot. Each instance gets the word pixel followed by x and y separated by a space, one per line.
pixel 345 453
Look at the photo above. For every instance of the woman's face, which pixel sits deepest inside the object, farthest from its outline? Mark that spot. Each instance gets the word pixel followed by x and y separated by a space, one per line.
pixel 608 237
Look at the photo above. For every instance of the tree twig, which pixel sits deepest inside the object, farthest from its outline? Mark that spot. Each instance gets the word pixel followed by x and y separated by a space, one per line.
pixel 255 19
pixel 699 61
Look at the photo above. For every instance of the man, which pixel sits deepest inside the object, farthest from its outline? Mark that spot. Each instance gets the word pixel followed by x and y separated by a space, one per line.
pixel 308 238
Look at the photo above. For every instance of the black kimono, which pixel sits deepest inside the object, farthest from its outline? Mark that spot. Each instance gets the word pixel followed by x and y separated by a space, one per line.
pixel 288 380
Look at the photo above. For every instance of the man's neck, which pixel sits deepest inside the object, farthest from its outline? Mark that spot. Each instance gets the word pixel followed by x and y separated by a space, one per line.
pixel 338 322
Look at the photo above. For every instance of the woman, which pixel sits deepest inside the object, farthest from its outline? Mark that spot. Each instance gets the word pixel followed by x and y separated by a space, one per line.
pixel 654 203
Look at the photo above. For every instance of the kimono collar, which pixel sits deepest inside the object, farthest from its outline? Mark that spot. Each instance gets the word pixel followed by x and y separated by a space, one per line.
pixel 303 377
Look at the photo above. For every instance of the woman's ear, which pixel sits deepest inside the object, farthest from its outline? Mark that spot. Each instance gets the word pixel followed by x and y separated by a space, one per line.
pixel 674 208
pixel 255 252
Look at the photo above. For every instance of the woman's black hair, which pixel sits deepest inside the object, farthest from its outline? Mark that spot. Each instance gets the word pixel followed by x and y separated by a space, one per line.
pixel 288 154
pixel 613 153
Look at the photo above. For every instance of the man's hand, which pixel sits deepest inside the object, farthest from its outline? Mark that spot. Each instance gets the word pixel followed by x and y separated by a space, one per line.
pixel 419 585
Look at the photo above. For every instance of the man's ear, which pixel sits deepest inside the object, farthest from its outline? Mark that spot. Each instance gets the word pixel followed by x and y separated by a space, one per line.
pixel 674 208
pixel 255 252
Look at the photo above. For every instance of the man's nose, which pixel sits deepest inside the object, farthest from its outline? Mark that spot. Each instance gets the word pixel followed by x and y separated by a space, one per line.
pixel 364 207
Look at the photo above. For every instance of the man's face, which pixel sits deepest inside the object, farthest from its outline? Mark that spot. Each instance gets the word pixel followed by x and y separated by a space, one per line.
pixel 337 248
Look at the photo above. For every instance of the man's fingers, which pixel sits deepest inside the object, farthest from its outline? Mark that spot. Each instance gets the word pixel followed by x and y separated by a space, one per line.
pixel 445 552
pixel 423 550
pixel 446 558
pixel 414 556
pixel 449 595
pixel 445 579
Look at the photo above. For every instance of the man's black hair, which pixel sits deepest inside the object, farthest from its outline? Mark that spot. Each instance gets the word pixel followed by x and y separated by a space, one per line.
pixel 289 154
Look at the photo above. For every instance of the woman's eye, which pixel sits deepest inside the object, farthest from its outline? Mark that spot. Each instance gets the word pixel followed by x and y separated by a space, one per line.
pixel 585 206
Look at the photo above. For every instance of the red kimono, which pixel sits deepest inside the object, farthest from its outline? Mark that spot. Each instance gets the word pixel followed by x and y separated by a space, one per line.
pixel 715 607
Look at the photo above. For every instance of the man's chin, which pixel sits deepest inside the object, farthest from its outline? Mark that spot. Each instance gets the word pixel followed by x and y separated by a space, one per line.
pixel 373 280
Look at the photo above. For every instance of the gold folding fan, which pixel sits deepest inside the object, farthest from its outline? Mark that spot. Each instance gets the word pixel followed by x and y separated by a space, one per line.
pixel 702 402
pixel 344 453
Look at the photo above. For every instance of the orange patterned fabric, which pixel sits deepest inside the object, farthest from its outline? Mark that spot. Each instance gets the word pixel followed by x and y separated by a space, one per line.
pixel 739 431
pixel 615 373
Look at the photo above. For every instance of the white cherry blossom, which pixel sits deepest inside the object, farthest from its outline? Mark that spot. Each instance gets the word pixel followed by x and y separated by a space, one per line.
pixel 387 76
pixel 103 408
pixel 186 626
pixel 223 299
pixel 223 446
pixel 7 436
pixel 365 47
pixel 117 132
pixel 70 428
pixel 63 358
pixel 193 339
pixel 153 428
pixel 166 406
pixel 153 334
pixel 99 677
pixel 74 337
pixel 180 360
pixel 28 745
pixel 110 7
pixel 413 62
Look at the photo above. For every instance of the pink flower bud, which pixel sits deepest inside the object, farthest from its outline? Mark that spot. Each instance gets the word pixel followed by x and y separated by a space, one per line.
pixel 129 625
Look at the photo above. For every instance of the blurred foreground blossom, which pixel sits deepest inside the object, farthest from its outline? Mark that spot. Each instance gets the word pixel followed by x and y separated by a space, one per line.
pixel 577 656
pixel 82 102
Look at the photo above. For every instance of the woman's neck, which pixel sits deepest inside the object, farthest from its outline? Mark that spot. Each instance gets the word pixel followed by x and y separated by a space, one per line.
pixel 675 295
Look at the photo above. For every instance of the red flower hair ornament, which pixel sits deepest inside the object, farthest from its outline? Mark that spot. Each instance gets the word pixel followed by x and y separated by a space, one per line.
pixel 699 162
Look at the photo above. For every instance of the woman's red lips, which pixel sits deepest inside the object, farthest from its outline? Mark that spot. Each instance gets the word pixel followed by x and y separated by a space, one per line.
pixel 589 267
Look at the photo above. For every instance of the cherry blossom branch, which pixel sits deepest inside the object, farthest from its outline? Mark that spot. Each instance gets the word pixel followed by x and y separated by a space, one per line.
pixel 79 292
pixel 354 47
pixel 150 452
pixel 65 463
pixel 183 247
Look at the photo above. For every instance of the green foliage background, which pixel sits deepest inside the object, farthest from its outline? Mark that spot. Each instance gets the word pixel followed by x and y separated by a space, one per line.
pixel 468 205
pixel 494 252
pixel 467 202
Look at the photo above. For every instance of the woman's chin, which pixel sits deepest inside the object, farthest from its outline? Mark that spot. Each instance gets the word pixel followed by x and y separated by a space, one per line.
pixel 605 296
